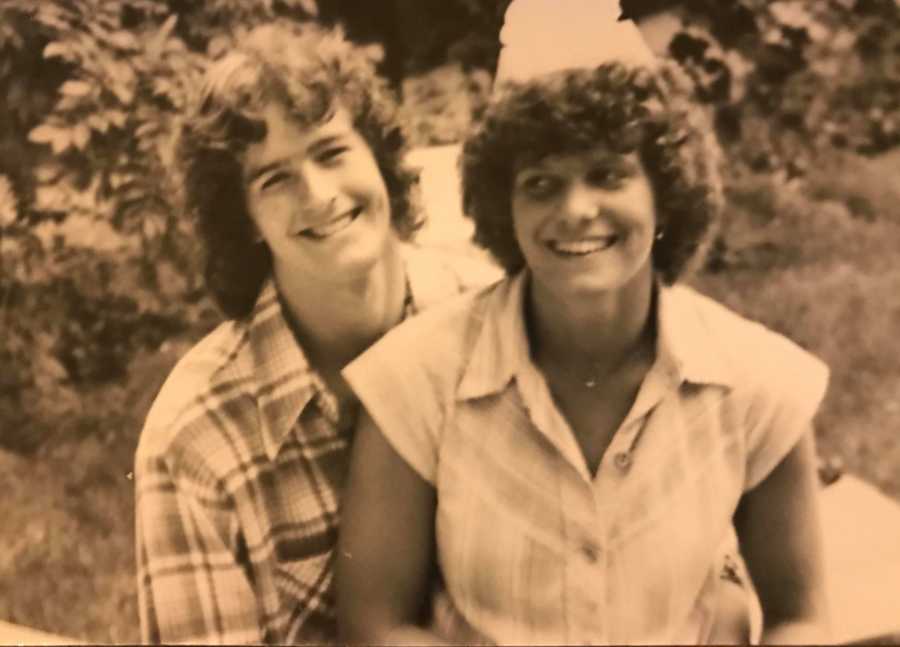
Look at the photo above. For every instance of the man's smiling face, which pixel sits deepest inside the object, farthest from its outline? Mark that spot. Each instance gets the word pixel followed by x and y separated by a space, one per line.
pixel 317 197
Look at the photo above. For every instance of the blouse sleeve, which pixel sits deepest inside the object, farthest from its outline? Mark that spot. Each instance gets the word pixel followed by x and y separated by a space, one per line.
pixel 402 396
pixel 792 385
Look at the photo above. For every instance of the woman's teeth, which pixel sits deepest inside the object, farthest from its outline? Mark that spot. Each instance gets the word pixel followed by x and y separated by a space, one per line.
pixel 581 247
pixel 334 226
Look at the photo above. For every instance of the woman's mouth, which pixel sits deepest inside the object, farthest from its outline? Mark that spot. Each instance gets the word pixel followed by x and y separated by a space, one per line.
pixel 582 246
pixel 334 226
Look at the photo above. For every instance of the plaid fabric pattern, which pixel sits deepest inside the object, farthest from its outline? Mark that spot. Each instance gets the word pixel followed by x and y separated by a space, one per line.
pixel 533 548
pixel 238 474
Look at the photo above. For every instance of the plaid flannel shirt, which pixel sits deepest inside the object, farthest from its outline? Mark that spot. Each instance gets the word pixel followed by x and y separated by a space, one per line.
pixel 238 474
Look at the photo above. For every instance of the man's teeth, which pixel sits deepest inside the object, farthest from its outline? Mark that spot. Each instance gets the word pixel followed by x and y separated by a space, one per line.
pixel 333 227
pixel 581 247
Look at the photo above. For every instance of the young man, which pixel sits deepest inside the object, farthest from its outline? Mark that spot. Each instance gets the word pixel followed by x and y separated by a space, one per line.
pixel 293 167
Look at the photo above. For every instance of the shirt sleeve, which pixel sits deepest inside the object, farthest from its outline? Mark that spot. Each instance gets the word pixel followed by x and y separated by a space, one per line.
pixel 191 586
pixel 793 384
pixel 402 397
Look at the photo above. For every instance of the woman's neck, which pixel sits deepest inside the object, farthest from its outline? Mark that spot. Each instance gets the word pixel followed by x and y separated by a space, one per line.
pixel 335 323
pixel 603 330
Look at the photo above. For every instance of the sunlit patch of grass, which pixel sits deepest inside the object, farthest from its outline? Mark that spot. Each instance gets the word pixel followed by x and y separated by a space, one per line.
pixel 68 562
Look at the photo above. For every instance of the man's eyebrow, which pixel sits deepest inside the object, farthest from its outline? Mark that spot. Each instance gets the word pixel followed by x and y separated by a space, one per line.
pixel 254 173
pixel 326 141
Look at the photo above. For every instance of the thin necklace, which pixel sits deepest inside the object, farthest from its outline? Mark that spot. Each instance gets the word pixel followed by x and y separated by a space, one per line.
pixel 594 378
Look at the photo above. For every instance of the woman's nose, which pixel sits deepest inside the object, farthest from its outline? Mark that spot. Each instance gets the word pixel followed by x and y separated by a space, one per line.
pixel 581 202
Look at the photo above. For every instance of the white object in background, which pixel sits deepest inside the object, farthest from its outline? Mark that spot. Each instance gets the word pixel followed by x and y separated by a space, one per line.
pixel 11 634
pixel 862 553
pixel 441 197
pixel 540 37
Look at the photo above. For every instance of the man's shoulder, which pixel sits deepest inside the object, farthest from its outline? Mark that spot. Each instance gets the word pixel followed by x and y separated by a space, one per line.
pixel 201 388
pixel 437 274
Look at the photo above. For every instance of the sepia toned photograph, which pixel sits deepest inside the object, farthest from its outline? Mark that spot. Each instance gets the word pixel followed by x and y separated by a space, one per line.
pixel 471 322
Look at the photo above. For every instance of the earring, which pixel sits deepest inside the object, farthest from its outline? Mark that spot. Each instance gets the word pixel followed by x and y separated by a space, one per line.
pixel 660 233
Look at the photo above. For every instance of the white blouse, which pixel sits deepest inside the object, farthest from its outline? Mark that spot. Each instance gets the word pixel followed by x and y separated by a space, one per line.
pixel 534 550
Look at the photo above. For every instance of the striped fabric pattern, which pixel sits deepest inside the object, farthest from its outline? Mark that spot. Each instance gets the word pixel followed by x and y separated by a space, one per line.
pixel 533 548
pixel 238 474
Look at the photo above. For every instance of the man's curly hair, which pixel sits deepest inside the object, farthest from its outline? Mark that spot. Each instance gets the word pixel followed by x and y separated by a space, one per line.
pixel 310 71
pixel 627 109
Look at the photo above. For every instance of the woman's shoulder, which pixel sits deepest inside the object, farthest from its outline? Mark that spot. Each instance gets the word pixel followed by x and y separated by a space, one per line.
pixel 756 356
pixel 433 345
pixel 436 274
pixel 446 326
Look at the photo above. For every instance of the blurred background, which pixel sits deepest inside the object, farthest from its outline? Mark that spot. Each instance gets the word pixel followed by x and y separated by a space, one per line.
pixel 100 289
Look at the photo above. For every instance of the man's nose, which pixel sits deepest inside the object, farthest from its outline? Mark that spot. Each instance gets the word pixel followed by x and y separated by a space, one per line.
pixel 316 198
pixel 319 187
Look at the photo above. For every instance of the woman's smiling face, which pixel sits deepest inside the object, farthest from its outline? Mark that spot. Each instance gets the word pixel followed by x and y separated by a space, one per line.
pixel 585 221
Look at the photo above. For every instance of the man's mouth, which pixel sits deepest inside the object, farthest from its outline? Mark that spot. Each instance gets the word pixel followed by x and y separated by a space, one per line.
pixel 582 246
pixel 334 226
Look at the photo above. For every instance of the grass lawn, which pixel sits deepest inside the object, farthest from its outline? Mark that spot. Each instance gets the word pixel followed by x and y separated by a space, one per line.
pixel 823 271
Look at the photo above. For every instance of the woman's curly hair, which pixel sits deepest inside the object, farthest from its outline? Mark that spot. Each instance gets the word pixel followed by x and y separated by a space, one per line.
pixel 628 109
pixel 309 70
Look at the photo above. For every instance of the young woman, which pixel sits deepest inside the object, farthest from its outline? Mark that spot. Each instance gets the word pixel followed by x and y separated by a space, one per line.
pixel 575 446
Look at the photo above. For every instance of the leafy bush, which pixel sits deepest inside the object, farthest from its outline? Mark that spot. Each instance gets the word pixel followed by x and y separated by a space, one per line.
pixel 790 79
pixel 97 262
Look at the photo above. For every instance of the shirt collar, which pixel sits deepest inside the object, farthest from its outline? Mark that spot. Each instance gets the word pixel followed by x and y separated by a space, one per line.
pixel 283 379
pixel 285 382
pixel 688 339
pixel 688 348
pixel 501 346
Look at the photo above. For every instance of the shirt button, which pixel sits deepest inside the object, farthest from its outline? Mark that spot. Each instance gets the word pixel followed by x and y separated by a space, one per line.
pixel 590 552
pixel 622 460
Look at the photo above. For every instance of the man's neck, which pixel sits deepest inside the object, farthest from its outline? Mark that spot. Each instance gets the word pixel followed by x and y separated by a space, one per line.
pixel 336 322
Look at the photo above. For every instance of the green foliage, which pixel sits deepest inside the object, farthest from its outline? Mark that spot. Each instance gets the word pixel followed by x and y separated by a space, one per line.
pixel 97 260
pixel 791 79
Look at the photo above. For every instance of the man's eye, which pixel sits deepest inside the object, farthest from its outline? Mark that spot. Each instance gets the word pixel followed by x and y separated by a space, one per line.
pixel 275 180
pixel 331 154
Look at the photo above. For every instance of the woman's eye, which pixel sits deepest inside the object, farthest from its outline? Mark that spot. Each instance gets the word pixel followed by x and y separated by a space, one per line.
pixel 275 180
pixel 539 186
pixel 607 178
